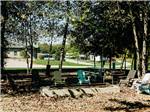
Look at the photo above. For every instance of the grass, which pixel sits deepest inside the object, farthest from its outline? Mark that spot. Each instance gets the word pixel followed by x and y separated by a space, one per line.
pixel 54 62
pixel 118 63
pixel 21 68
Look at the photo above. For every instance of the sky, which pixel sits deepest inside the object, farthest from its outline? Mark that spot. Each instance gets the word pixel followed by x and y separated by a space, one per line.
pixel 47 40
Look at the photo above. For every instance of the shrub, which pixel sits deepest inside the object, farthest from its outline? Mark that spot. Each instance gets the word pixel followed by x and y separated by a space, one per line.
pixel 41 56
pixel 23 54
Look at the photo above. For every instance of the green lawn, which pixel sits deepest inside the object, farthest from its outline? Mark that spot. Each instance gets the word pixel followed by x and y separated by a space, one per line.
pixel 118 63
pixel 54 62
pixel 98 64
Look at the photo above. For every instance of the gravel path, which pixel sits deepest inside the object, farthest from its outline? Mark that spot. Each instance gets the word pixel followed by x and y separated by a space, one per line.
pixel 125 101
pixel 19 63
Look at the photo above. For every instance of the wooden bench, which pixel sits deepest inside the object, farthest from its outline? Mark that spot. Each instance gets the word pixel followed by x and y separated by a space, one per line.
pixel 19 83
pixel 116 76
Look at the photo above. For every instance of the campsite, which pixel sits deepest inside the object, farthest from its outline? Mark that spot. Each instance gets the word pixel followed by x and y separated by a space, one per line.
pixel 75 56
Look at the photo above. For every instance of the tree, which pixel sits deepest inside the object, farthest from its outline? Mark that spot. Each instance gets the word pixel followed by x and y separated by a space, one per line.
pixel 50 22
pixel 95 33
pixel 44 48
pixel 56 51
pixel 113 27
pixel 62 53
pixel 138 14
pixel 73 51
pixel 4 15
pixel 24 15
pixel 32 9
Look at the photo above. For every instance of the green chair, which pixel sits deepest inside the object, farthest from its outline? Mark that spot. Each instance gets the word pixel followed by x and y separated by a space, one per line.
pixel 82 77
pixel 57 78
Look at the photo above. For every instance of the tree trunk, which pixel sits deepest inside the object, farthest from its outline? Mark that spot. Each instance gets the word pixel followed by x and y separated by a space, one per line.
pixel 94 62
pixel 101 58
pixel 50 46
pixel 145 22
pixel 132 63
pixel 143 58
pixel 136 49
pixel 2 44
pixel 135 63
pixel 3 40
pixel 31 48
pixel 136 42
pixel 123 61
pixel 27 60
pixel 62 54
pixel 146 60
pixel 50 49
pixel 26 47
pixel 110 60
pixel 48 62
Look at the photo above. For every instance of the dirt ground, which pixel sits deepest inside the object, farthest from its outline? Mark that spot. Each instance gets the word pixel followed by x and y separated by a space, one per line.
pixel 125 101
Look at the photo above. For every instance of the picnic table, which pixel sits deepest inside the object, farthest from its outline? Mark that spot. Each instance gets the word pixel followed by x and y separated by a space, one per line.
pixel 91 73
pixel 72 74
pixel 24 81
pixel 116 76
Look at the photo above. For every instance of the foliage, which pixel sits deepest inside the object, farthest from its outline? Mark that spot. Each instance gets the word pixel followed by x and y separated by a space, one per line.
pixel 112 28
pixel 23 54
pixel 96 33
pixel 56 50
pixel 41 57
pixel 22 26
pixel 73 51
pixel 44 48
pixel 93 27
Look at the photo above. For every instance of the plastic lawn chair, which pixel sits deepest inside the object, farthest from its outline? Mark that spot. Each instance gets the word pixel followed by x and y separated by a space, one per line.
pixel 129 79
pixel 82 77
pixel 57 78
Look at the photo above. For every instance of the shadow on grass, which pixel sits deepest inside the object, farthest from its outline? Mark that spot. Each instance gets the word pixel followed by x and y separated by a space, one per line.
pixel 127 106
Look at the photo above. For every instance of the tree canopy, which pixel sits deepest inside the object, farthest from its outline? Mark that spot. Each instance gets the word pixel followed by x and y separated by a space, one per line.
pixel 112 28
pixel 94 27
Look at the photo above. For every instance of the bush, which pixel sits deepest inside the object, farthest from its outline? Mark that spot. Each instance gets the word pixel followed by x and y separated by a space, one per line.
pixel 23 54
pixel 41 56
pixel 57 55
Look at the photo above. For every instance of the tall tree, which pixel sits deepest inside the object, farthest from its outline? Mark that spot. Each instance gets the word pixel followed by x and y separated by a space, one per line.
pixel 115 27
pixel 4 16
pixel 50 22
pixel 62 54
pixel 145 35
pixel 24 15
pixel 139 20
pixel 96 32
